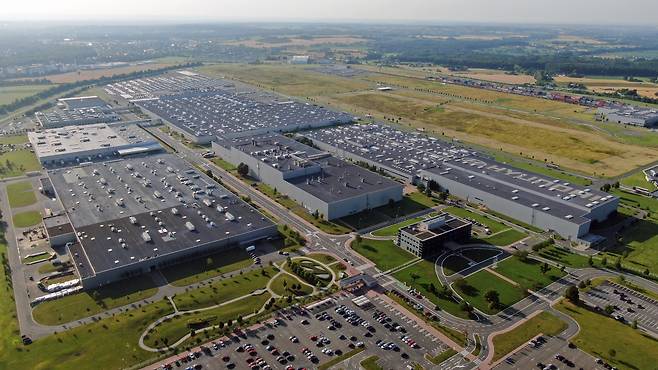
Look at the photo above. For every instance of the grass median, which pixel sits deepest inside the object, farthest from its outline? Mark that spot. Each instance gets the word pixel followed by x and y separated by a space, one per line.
pixel 544 323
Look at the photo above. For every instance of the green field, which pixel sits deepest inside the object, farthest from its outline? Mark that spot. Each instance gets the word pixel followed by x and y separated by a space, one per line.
pixel 504 238
pixel 20 194
pixel 641 243
pixel 441 357
pixel 527 273
pixel 544 323
pixel 454 264
pixel 493 225
pixel 637 201
pixel 481 282
pixel 564 257
pixel 638 180
pixel 17 163
pixel 370 363
pixel 383 253
pixel 223 290
pixel 422 276
pixel 89 303
pixel 172 330
pixel 282 289
pixel 479 255
pixel 26 219
pixel 9 94
pixel 634 350
pixel 204 268
pixel 13 139
pixel 392 230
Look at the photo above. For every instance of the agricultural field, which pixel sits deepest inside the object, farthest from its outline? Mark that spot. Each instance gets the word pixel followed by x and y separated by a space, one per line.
pixel 287 79
pixel 296 42
pixel 610 85
pixel 9 94
pixel 92 74
pixel 495 76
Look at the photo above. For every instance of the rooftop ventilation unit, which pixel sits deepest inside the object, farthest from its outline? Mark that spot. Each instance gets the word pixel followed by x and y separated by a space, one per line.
pixel 146 236
pixel 190 226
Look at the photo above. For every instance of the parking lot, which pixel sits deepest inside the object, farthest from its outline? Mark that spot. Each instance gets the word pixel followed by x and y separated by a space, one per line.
pixel 308 338
pixel 549 351
pixel 629 305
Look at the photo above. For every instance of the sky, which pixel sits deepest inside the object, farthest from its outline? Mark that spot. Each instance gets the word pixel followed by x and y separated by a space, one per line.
pixel 603 12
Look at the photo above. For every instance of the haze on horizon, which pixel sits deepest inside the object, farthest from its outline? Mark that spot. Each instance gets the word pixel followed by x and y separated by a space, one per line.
pixel 593 12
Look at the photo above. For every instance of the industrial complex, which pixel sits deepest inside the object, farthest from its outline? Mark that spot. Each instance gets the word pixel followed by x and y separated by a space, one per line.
pixel 628 115
pixel 324 185
pixel 547 203
pixel 133 215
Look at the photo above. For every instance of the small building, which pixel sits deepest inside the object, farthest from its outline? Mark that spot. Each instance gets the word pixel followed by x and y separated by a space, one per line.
pixel 59 230
pixel 300 59
pixel 426 238
pixel 628 115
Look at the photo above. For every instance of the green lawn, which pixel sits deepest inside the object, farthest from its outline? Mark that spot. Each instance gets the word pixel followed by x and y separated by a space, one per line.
pixel 321 257
pixel 638 180
pixel 564 257
pixel 224 289
pixel 370 363
pixel 634 350
pixel 384 253
pixel 312 272
pixel 410 204
pixel 13 139
pixel 454 264
pixel 483 281
pixel 282 289
pixel 490 223
pixel 204 268
pixel 88 303
pixel 20 194
pixel 172 330
pixel 27 219
pixel 544 323
pixel 17 163
pixel 9 94
pixel 421 276
pixel 441 357
pixel 527 273
pixel 392 230
pixel 637 201
pixel 110 343
pixel 641 243
pixel 504 238
pixel 479 255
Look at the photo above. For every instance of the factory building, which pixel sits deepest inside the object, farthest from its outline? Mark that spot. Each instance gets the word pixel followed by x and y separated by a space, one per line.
pixel 74 144
pixel 84 110
pixel 319 182
pixel 629 115
pixel 538 200
pixel 131 216
pixel 428 237
pixel 546 203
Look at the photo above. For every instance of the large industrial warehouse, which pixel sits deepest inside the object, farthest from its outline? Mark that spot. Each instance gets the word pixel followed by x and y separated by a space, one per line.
pixel 83 110
pixel 72 144
pixel 538 200
pixel 134 215
pixel 321 183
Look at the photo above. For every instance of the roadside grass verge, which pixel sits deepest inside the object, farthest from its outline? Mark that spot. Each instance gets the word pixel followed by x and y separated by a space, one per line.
pixel 341 358
pixel 441 357
pixel 370 363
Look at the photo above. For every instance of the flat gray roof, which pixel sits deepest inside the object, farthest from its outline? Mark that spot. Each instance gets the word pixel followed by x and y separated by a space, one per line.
pixel 111 233
pixel 78 140
pixel 339 180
